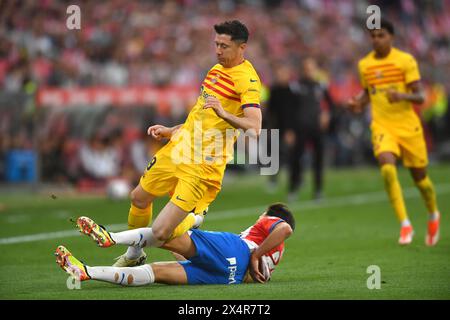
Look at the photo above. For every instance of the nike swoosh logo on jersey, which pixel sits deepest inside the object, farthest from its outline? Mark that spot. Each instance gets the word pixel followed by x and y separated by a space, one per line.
pixel 252 80
pixel 178 198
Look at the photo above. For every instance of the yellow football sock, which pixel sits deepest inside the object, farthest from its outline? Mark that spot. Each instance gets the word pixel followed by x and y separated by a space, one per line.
pixel 392 185
pixel 426 188
pixel 139 218
pixel 184 226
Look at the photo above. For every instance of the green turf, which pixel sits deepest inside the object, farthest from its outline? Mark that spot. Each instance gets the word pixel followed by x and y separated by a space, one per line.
pixel 326 258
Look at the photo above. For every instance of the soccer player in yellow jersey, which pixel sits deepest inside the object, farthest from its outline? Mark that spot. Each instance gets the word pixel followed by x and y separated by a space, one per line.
pixel 190 167
pixel 391 82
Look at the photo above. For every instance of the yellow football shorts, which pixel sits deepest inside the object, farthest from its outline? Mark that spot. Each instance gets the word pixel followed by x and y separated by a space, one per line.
pixel 411 149
pixel 181 181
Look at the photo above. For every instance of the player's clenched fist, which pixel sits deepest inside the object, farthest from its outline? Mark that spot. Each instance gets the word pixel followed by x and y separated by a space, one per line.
pixel 159 132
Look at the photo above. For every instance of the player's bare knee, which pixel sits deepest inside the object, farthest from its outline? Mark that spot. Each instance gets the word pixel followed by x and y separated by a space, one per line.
pixel 134 198
pixel 138 200
pixel 386 158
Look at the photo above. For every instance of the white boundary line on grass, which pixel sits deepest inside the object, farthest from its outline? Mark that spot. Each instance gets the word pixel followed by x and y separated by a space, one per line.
pixel 354 200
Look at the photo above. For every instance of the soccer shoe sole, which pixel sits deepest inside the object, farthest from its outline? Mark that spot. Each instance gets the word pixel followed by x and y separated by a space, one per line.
pixel 63 256
pixel 88 227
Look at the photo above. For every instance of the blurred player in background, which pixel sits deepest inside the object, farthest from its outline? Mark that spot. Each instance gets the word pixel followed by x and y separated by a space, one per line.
pixel 391 82
pixel 229 99
pixel 211 257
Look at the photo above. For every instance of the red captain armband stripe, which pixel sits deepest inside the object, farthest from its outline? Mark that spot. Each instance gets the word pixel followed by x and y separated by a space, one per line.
pixel 275 224
pixel 250 105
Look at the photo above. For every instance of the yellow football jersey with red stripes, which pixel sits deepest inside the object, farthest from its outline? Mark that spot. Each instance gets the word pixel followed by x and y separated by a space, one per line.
pixel 208 138
pixel 395 71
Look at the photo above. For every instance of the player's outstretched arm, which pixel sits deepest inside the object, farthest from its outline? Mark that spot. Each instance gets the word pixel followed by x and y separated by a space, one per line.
pixel 280 233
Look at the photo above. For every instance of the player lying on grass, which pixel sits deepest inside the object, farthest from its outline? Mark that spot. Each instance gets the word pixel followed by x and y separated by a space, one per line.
pixel 211 257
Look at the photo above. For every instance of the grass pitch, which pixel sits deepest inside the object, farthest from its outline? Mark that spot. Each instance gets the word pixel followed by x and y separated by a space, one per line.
pixel 336 240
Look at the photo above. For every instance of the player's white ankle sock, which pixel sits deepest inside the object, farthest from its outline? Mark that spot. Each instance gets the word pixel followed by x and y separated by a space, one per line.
pixel 406 223
pixel 198 220
pixel 433 216
pixel 128 276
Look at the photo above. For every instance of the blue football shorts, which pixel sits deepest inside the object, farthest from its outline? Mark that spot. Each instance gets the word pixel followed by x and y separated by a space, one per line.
pixel 222 258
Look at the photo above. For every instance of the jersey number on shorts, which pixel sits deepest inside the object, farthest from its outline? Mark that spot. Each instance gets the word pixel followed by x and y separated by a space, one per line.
pixel 378 138
pixel 151 163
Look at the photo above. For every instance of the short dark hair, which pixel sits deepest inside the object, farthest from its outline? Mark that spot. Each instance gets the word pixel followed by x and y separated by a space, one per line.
pixel 386 25
pixel 236 29
pixel 280 210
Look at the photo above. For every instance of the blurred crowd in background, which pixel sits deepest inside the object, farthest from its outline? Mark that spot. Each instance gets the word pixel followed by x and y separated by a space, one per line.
pixel 166 43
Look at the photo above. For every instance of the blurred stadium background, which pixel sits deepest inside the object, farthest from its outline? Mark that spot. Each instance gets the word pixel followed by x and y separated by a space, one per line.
pixel 70 98
pixel 75 105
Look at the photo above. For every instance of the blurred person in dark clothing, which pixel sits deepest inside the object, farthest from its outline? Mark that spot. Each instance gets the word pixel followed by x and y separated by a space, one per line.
pixel 52 163
pixel 278 108
pixel 308 123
